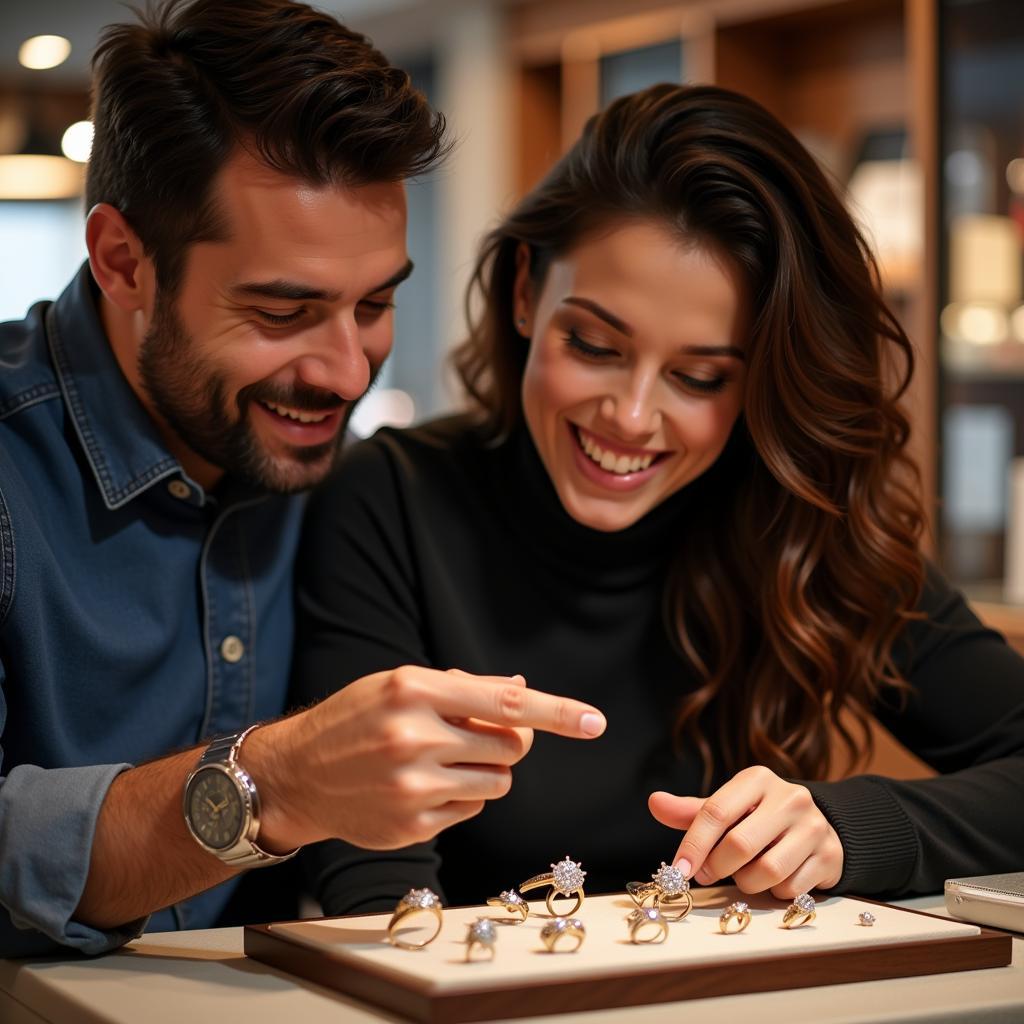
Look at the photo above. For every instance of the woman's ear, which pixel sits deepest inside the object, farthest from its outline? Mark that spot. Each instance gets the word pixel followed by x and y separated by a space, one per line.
pixel 522 293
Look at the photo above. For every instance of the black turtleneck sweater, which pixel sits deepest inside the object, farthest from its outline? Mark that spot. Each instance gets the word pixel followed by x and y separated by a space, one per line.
pixel 431 547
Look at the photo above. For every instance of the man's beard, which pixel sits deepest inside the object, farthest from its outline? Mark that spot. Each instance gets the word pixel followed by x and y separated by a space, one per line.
pixel 192 397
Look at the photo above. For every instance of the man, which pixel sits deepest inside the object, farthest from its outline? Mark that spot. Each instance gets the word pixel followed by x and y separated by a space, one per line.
pixel 246 236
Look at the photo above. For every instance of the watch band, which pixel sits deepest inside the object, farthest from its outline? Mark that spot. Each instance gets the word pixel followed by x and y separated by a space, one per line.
pixel 223 751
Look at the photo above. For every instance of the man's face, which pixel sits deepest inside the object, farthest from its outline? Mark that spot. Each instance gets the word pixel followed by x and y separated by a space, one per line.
pixel 274 334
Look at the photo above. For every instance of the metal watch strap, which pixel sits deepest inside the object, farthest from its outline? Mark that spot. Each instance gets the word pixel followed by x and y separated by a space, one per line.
pixel 224 750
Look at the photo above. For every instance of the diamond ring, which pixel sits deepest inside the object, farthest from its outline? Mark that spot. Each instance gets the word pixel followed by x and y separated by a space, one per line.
pixel 560 926
pixel 415 901
pixel 565 878
pixel 799 912
pixel 481 935
pixel 647 919
pixel 512 902
pixel 737 913
pixel 867 919
pixel 668 886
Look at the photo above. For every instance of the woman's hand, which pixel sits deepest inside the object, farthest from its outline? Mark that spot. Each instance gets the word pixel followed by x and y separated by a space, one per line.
pixel 765 832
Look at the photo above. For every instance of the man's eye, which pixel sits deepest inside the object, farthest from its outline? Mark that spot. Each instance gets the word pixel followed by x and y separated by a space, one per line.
pixel 574 341
pixel 376 306
pixel 280 319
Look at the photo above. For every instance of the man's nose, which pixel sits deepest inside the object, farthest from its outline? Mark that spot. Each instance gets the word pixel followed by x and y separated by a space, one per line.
pixel 337 361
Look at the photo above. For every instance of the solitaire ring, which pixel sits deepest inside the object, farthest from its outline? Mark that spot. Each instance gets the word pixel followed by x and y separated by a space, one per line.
pixel 737 913
pixel 559 927
pixel 565 879
pixel 512 902
pixel 650 920
pixel 415 901
pixel 482 936
pixel 799 912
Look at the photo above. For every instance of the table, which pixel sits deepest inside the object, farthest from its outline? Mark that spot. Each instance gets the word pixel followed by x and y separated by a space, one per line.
pixel 170 977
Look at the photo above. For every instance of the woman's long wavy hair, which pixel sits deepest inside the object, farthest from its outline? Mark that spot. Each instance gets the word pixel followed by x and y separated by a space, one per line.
pixel 807 566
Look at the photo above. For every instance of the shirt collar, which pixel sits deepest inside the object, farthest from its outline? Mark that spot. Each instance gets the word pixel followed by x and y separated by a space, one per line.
pixel 121 441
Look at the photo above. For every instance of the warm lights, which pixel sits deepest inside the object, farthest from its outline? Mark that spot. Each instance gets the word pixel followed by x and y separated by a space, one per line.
pixel 76 143
pixel 42 52
pixel 39 177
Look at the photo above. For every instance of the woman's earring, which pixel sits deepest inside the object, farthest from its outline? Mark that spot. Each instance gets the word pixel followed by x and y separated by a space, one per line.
pixel 521 323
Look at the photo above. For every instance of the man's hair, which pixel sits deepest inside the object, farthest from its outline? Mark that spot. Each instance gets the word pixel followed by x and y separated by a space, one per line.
pixel 175 95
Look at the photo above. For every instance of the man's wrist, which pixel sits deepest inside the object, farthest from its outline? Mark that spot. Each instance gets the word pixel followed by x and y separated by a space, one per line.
pixel 269 755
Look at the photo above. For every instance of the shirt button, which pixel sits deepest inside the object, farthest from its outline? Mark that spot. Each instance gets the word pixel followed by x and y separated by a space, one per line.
pixel 232 649
pixel 179 489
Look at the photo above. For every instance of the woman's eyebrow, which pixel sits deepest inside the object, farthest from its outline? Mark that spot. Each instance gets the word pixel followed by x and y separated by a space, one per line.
pixel 623 328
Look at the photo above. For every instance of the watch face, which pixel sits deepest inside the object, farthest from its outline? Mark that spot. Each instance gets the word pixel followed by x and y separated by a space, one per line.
pixel 215 808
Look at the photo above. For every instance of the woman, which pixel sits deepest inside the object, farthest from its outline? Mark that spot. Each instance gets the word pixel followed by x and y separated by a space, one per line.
pixel 683 496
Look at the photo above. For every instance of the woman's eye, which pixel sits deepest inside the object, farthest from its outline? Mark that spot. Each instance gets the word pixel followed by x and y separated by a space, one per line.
pixel 702 384
pixel 575 342
pixel 280 319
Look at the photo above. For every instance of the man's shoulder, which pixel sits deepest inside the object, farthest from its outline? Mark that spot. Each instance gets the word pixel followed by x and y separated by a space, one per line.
pixel 28 377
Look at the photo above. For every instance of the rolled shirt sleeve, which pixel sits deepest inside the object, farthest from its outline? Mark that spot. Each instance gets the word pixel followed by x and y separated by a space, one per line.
pixel 47 821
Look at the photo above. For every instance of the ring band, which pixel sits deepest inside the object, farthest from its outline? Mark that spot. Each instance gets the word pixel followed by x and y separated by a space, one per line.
pixel 512 902
pixel 481 935
pixel 559 927
pixel 415 901
pixel 738 913
pixel 565 879
pixel 644 918
pixel 663 900
pixel 799 912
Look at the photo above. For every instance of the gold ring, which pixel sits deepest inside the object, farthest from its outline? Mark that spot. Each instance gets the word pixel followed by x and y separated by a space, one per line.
pixel 512 902
pixel 642 917
pixel 673 889
pixel 641 892
pixel 566 879
pixel 737 912
pixel 415 901
pixel 481 935
pixel 554 930
pixel 799 912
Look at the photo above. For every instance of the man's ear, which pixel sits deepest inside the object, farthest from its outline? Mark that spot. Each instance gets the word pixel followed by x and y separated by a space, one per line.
pixel 522 293
pixel 123 271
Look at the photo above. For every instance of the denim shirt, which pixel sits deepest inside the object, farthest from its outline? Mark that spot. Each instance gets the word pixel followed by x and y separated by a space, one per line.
pixel 138 614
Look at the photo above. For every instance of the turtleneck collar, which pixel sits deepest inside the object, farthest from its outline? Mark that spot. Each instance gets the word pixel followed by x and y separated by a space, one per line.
pixel 621 559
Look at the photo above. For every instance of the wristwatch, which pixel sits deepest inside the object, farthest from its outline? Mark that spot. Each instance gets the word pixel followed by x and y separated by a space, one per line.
pixel 222 807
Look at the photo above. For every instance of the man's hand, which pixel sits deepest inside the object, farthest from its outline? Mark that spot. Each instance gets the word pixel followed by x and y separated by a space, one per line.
pixel 765 832
pixel 396 757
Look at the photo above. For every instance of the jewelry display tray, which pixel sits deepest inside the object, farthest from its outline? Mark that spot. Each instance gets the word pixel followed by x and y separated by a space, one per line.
pixel 436 985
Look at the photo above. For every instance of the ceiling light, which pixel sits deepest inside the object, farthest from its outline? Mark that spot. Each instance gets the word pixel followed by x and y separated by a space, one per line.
pixel 42 52
pixel 76 143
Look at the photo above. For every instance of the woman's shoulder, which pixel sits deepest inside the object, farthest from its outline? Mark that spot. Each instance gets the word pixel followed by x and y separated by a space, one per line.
pixel 399 458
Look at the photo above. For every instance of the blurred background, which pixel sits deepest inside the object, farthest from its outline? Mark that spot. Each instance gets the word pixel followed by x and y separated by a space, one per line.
pixel 916 108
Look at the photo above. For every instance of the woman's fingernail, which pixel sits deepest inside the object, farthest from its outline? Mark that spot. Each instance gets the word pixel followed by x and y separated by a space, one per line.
pixel 592 723
pixel 518 678
pixel 684 865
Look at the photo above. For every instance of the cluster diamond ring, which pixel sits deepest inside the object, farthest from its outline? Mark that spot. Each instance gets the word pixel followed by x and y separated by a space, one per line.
pixel 799 912
pixel 565 879
pixel 559 927
pixel 736 914
pixel 415 901
pixel 512 902
pixel 867 919
pixel 481 936
pixel 673 891
pixel 651 922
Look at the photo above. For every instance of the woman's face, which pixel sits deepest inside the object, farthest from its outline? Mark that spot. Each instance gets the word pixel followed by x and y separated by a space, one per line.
pixel 635 371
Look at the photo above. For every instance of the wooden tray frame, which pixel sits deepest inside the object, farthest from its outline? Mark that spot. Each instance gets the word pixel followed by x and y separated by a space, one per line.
pixel 422 1001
